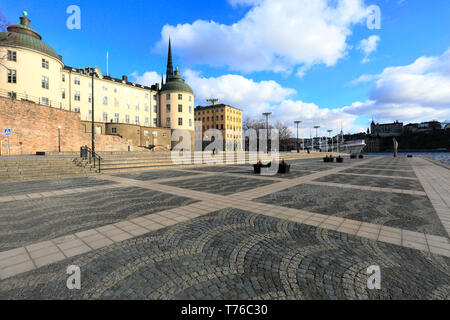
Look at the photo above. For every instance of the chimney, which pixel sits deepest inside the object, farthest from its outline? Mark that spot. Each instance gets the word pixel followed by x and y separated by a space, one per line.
pixel 125 78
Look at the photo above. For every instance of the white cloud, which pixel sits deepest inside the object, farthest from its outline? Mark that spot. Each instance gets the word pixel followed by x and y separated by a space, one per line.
pixel 148 78
pixel 367 46
pixel 416 92
pixel 274 35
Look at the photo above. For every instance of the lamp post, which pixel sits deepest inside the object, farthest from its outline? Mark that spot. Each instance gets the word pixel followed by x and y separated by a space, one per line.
pixel 59 138
pixel 92 107
pixel 316 127
pixel 213 101
pixel 329 132
pixel 297 122
pixel 267 114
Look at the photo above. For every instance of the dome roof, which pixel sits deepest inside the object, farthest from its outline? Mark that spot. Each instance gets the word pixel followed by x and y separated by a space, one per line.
pixel 176 83
pixel 21 35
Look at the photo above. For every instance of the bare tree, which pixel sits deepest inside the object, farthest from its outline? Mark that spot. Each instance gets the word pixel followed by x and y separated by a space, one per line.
pixel 4 22
pixel 284 132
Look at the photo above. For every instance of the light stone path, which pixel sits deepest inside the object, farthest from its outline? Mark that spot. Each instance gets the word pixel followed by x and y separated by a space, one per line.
pixel 436 183
pixel 23 259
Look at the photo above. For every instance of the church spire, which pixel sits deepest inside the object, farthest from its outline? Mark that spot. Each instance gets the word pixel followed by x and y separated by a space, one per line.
pixel 169 72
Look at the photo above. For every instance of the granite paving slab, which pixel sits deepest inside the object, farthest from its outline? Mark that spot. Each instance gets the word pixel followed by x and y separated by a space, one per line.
pixel 233 254
pixel 155 174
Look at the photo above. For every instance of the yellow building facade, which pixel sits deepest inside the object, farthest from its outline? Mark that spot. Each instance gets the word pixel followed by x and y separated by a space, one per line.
pixel 32 70
pixel 223 117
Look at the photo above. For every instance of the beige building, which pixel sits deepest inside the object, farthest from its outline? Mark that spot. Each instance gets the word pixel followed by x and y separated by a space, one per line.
pixel 32 70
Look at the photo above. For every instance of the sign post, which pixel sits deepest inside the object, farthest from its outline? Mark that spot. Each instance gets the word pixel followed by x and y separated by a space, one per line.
pixel 8 133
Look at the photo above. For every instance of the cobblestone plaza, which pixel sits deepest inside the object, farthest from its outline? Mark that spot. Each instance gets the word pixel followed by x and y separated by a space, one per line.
pixel 222 232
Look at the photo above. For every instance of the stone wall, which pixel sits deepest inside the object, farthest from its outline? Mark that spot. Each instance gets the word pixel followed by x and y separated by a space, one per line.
pixel 35 128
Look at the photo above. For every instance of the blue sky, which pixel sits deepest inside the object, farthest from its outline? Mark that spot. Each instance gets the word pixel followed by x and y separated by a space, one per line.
pixel 299 59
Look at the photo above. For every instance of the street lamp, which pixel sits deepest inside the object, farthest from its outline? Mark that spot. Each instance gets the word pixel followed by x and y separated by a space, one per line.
pixel 92 107
pixel 59 138
pixel 267 114
pixel 297 122
pixel 316 127
pixel 329 132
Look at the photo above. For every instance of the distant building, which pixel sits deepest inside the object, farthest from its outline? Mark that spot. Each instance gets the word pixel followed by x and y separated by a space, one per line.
pixel 394 129
pixel 222 117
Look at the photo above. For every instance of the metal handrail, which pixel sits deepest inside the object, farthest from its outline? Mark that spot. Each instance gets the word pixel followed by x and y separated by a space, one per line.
pixel 26 97
pixel 87 153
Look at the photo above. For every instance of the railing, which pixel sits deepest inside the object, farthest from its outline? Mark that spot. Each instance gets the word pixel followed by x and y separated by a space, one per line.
pixel 86 153
pixel 39 100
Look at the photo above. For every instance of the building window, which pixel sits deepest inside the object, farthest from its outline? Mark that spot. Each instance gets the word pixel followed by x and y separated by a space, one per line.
pixel 12 55
pixel 167 96
pixel 105 101
pixel 155 123
pixel 77 81
pixel 155 109
pixel 136 107
pixel 114 130
pixel 128 105
pixel 190 109
pixel 77 96
pixel 63 77
pixel 105 87
pixel 12 95
pixel 90 83
pixel 190 98
pixel 155 134
pixel 164 134
pixel 116 89
pixel 90 98
pixel 63 93
pixel 44 64
pixel 146 108
pixel 180 121
pixel 147 120
pixel 12 76
pixel 45 101
pixel 180 96
pixel 190 122
pixel 168 108
pixel 105 116
pixel 145 133
pixel 168 121
pixel 127 118
pixel 146 95
pixel 44 82
pixel 154 97
pixel 116 117
pixel 136 120
pixel 180 108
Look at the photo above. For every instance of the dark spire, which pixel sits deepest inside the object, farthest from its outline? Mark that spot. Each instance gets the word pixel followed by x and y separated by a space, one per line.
pixel 162 79
pixel 169 72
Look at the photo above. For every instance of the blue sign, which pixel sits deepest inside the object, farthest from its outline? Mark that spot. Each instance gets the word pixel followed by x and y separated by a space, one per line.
pixel 7 132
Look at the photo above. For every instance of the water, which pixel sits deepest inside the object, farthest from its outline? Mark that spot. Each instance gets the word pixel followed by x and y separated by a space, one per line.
pixel 440 156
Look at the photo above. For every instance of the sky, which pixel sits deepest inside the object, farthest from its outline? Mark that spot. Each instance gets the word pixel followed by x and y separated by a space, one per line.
pixel 331 63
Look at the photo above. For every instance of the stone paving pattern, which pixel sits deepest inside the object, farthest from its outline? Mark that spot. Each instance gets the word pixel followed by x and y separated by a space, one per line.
pixel 232 236
pixel 381 182
pixel 37 186
pixel 411 212
pixel 235 254
pixel 48 218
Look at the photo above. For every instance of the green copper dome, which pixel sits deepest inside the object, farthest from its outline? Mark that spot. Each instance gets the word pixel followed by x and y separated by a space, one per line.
pixel 176 83
pixel 21 35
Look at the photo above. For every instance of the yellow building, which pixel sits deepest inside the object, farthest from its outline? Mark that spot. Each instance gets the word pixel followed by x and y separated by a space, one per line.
pixel 223 117
pixel 34 71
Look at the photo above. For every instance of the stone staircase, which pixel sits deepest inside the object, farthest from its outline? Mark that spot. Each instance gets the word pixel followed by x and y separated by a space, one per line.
pixel 34 168
pixel 162 160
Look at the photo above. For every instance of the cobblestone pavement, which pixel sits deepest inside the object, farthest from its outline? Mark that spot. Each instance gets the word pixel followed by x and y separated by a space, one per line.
pixel 23 187
pixel 373 181
pixel 44 219
pixel 225 234
pixel 223 185
pixel 155 174
pixel 411 212
pixel 233 254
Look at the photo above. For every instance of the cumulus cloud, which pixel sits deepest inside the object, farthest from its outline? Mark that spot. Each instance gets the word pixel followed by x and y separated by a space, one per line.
pixel 416 92
pixel 147 78
pixel 367 46
pixel 274 35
